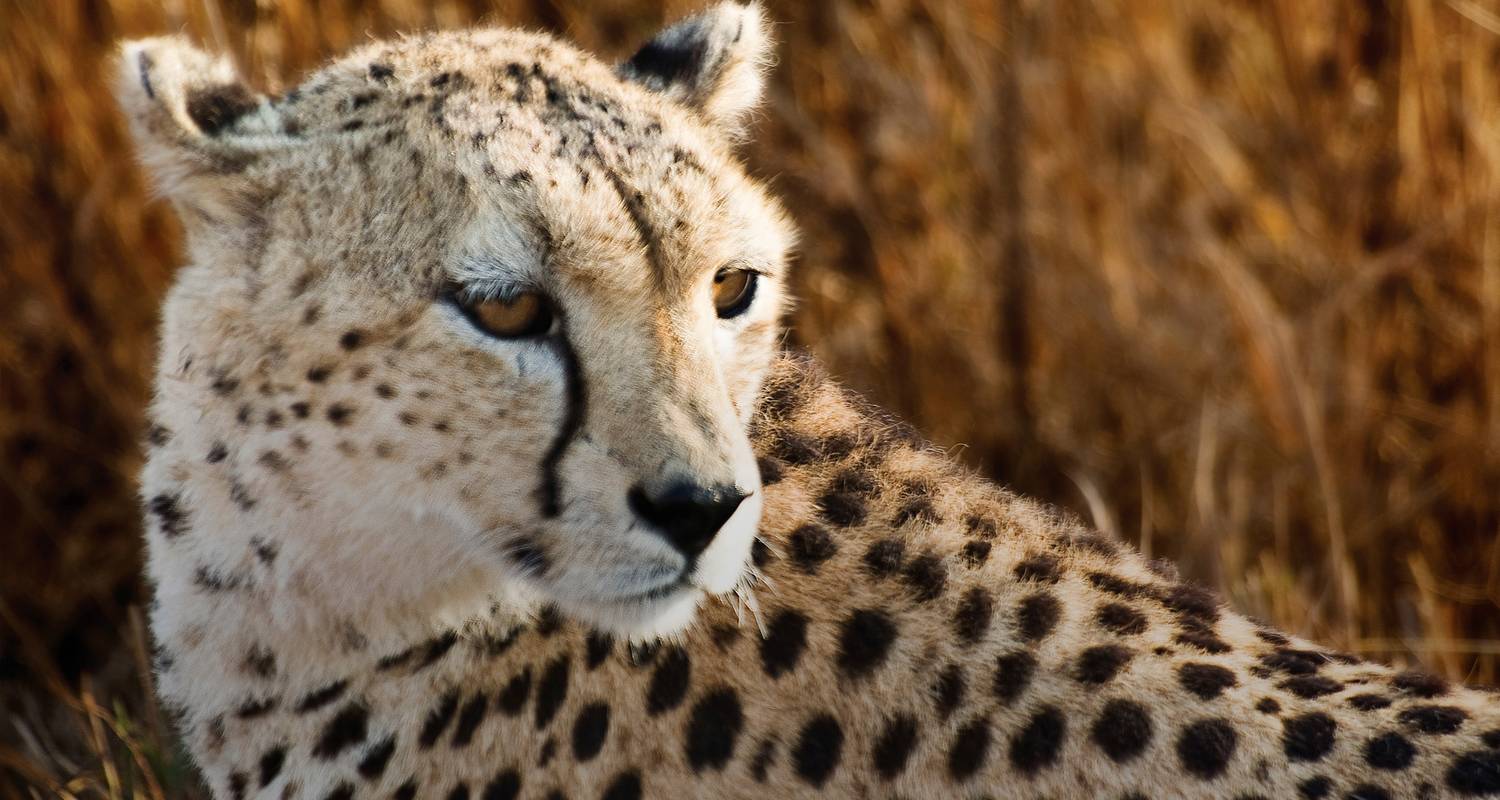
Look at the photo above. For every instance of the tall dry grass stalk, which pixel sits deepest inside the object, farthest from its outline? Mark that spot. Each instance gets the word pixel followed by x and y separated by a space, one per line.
pixel 1222 277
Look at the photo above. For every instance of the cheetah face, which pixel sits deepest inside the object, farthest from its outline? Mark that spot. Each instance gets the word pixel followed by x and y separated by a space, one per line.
pixel 503 302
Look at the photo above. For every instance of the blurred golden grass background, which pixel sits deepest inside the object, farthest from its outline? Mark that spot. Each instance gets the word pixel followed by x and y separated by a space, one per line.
pixel 1223 278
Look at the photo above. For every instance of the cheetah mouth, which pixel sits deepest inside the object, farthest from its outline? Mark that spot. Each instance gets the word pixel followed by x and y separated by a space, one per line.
pixel 662 592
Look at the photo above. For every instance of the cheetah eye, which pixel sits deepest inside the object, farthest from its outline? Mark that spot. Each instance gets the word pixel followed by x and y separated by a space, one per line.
pixel 520 316
pixel 734 290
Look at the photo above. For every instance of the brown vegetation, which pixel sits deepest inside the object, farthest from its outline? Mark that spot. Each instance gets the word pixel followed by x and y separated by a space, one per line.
pixel 1222 277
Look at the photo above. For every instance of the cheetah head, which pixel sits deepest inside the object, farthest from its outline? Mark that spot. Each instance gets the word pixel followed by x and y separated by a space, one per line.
pixel 473 307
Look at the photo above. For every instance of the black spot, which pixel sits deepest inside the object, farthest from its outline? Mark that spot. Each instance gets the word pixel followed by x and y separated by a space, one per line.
pixel 549 749
pixel 381 72
pixel 1315 788
pixel 345 791
pixel 973 616
pixel 167 508
pixel 1038 744
pixel 786 638
pixel 1206 746
pixel 318 698
pixel 513 697
pixel 771 470
pixel 1042 567
pixel 260 662
pixel 760 766
pixel 809 546
pixel 436 649
pixel 760 553
pixel 627 786
pixel 1100 664
pixel 1308 737
pixel 917 508
pixel 1192 601
pixel 504 786
pixel 1122 587
pixel 1367 791
pixel 319 374
pixel 864 642
pixel 818 749
pixel 669 683
pixel 1121 619
pixel 469 718
pixel 1293 662
pixel 407 790
pixel 216 108
pixel 1310 686
pixel 252 709
pixel 1272 637
pixel 724 636
pixel 270 765
pixel 589 731
pixel 884 558
pixel 843 504
pixel 981 526
pixel 1369 702
pixel 551 690
pixel 1476 773
pixel 1268 705
pixel 1207 681
pixel 975 552
pixel 713 728
pixel 598 648
pixel 926 576
pixel 1491 738
pixel 1037 615
pixel 1123 730
pixel 949 689
pixel 796 449
pixel 1420 684
pixel 346 729
pixel 351 340
pixel 339 414
pixel 1390 751
pixel 549 621
pixel 373 764
pixel 1013 672
pixel 158 436
pixel 1199 634
pixel 1433 719
pixel 438 719
pixel 894 746
pixel 218 452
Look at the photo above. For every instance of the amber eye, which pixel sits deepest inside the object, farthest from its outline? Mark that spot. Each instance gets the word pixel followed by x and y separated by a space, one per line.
pixel 734 289
pixel 517 317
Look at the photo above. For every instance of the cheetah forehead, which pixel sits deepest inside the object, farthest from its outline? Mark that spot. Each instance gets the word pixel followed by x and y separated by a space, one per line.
pixel 402 136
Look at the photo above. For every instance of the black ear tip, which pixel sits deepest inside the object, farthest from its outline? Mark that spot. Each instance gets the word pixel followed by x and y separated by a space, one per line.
pixel 669 62
pixel 215 108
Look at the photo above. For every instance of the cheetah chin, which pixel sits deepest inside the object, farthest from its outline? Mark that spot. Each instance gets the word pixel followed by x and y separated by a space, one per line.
pixel 469 401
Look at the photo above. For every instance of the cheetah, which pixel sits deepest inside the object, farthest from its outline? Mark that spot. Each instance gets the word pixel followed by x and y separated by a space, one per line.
pixel 477 471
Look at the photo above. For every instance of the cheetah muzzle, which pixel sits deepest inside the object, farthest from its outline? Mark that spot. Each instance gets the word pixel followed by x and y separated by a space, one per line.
pixel 476 472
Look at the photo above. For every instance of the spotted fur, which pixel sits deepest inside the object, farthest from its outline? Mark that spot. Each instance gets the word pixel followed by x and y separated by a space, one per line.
pixel 395 558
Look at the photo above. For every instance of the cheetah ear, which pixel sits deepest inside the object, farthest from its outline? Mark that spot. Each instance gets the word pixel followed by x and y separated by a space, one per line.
pixel 713 62
pixel 196 125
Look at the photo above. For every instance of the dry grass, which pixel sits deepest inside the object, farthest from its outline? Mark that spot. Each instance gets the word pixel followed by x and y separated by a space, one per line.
pixel 1222 277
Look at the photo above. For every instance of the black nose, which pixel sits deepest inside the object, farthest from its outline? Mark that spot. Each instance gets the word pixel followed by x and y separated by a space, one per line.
pixel 687 515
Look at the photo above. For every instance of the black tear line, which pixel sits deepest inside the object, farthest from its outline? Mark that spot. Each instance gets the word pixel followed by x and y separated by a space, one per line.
pixel 577 404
